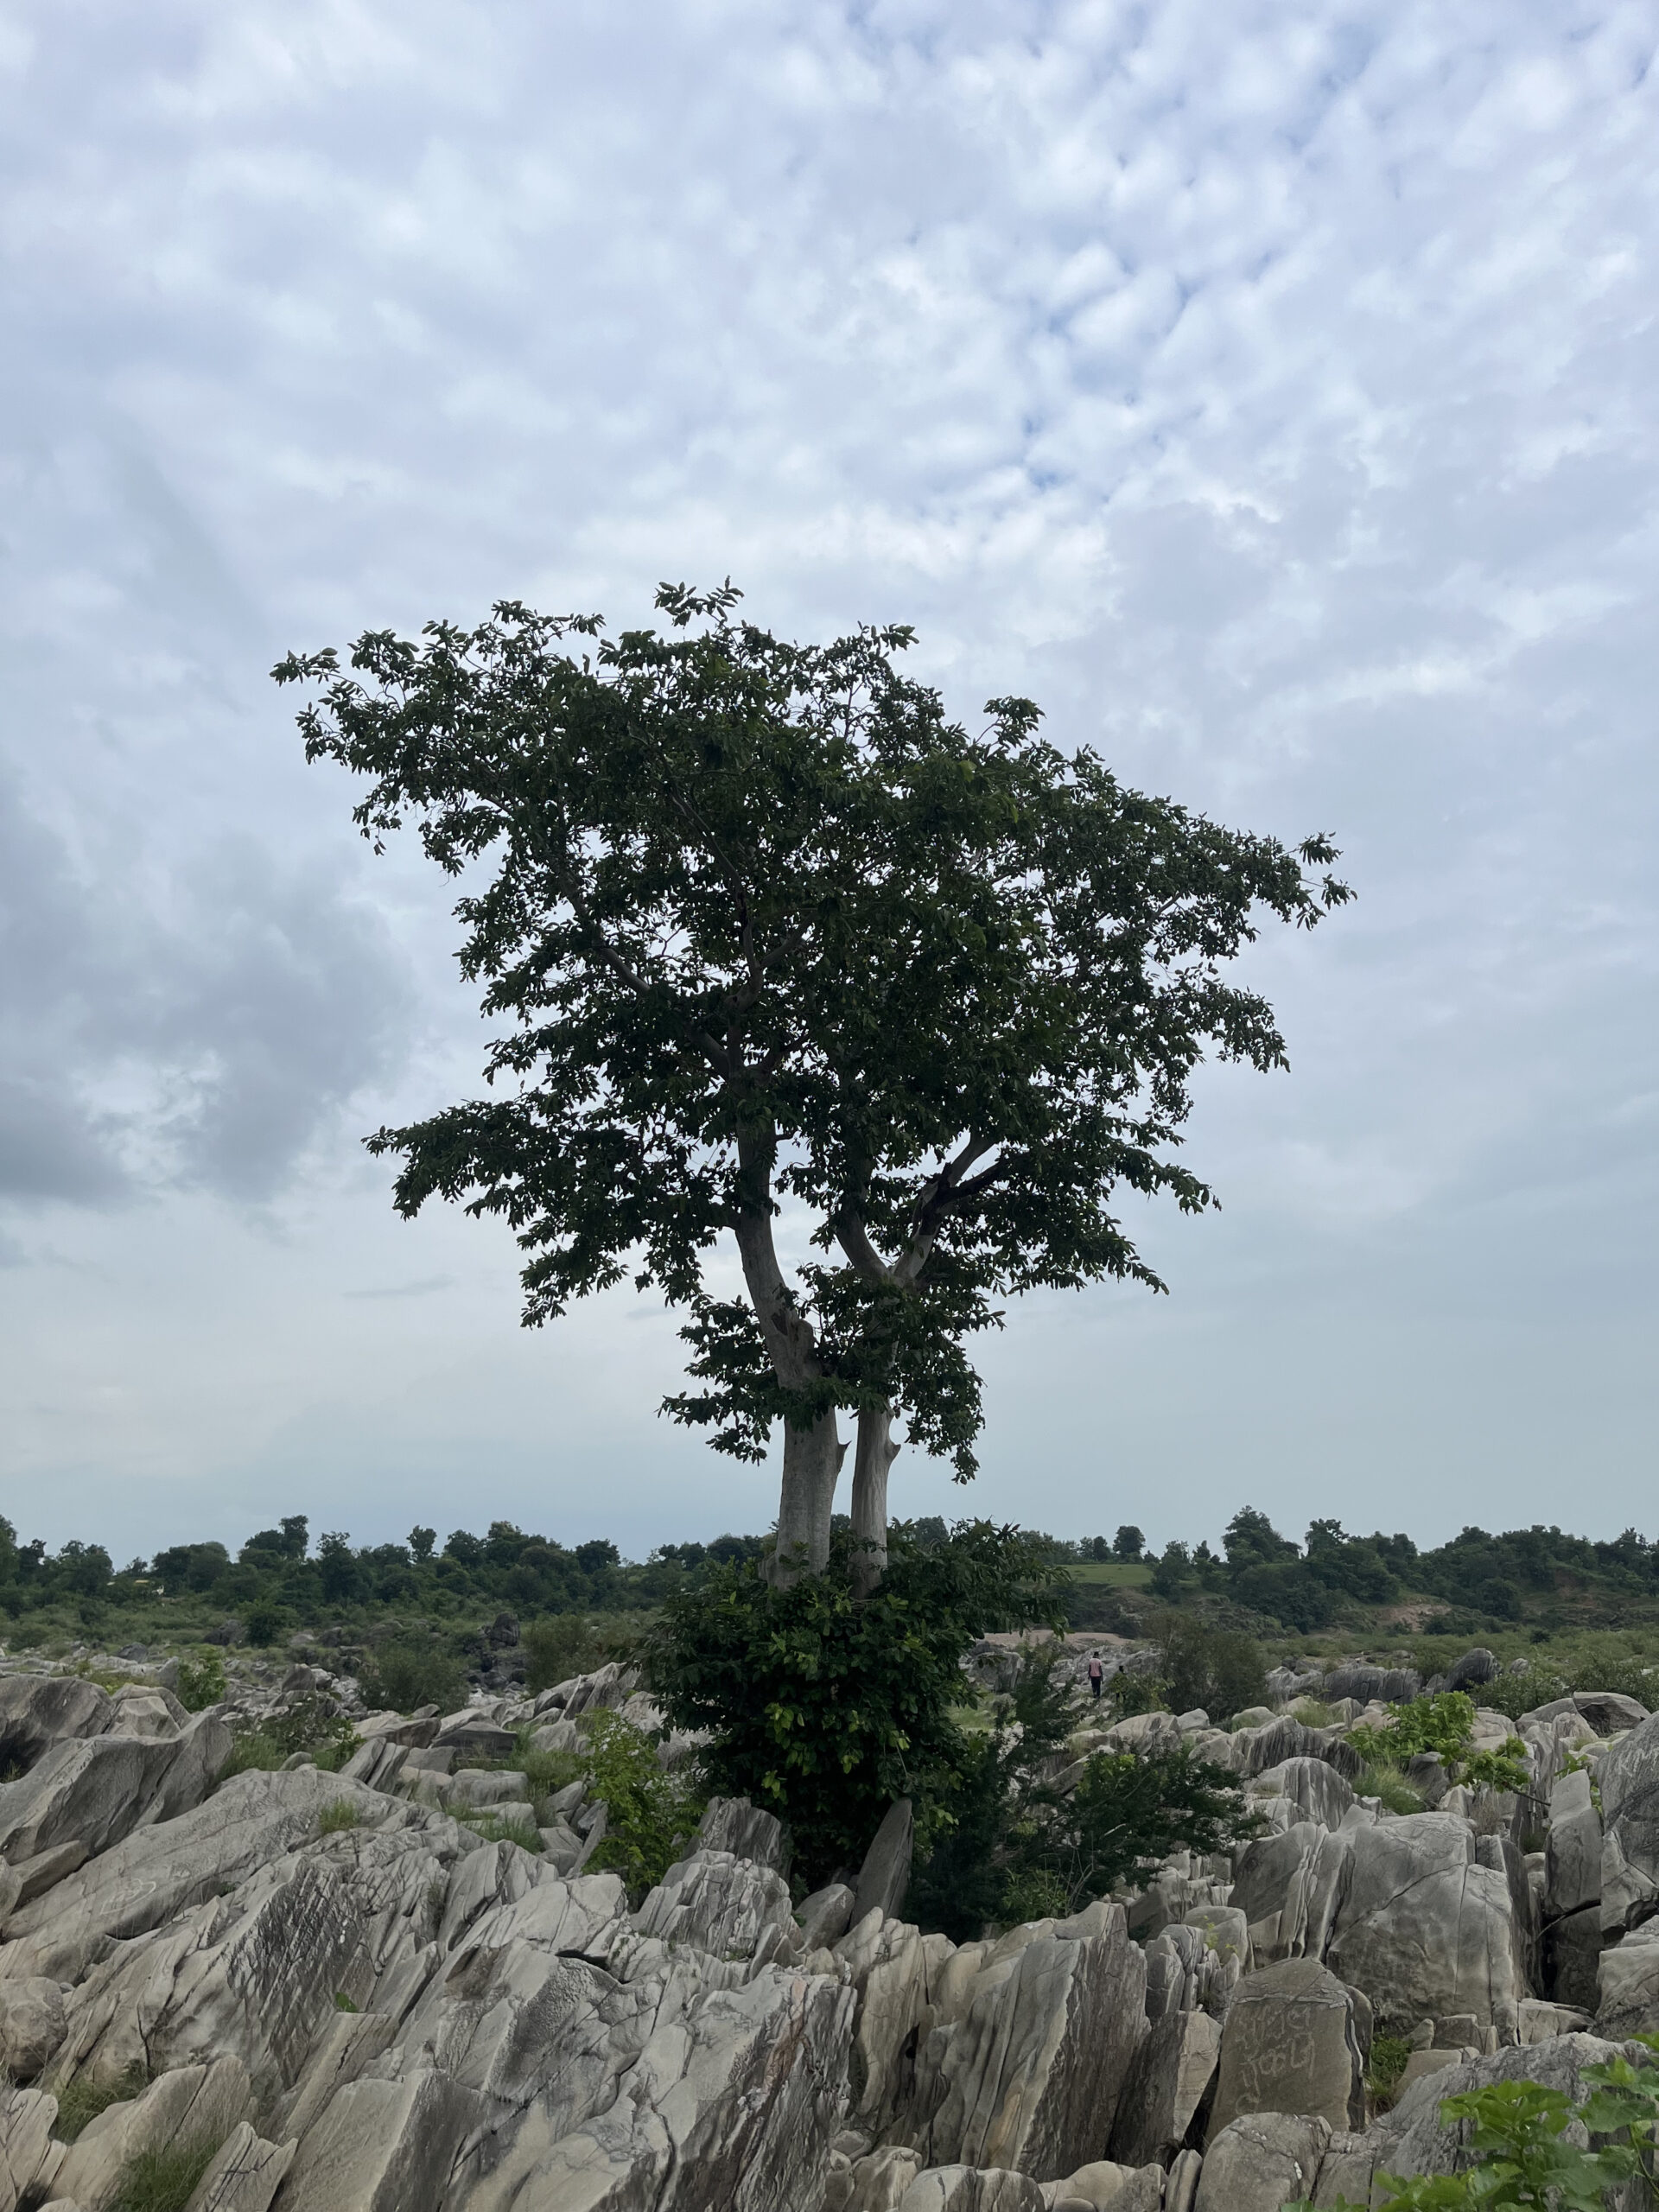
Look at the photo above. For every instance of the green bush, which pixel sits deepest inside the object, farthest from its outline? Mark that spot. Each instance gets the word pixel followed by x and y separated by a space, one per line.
pixel 311 1724
pixel 1215 1669
pixel 561 1645
pixel 1443 1723
pixel 267 1623
pixel 651 1811
pixel 1130 1692
pixel 1015 1846
pixel 1524 2161
pixel 403 1675
pixel 824 1706
pixel 162 2180
pixel 201 1682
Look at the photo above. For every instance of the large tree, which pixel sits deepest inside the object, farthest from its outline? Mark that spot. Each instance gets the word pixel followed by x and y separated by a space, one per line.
pixel 776 942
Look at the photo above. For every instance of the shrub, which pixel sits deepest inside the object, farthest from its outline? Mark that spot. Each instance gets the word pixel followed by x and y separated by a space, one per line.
pixel 1443 1723
pixel 404 1675
pixel 163 2180
pixel 1130 1692
pixel 201 1682
pixel 824 1706
pixel 341 1813
pixel 560 1645
pixel 650 1812
pixel 1215 1669
pixel 1524 2157
pixel 1018 1847
pixel 267 1623
pixel 309 1723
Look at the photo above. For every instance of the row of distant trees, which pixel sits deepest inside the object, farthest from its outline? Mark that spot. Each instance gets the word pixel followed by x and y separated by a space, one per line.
pixel 1303 1586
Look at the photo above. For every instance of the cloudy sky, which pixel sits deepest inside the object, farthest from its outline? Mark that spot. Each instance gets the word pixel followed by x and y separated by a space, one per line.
pixel 1269 390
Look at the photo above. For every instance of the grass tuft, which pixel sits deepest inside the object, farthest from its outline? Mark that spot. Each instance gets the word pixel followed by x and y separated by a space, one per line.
pixel 1389 1785
pixel 162 2180
pixel 503 1824
pixel 1389 2057
pixel 342 1813
pixel 87 2096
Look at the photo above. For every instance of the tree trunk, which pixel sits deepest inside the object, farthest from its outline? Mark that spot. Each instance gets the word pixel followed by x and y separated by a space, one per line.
pixel 812 1455
pixel 876 1454
pixel 812 1459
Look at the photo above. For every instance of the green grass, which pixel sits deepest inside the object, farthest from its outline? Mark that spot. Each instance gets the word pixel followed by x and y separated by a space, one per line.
pixel 85 2098
pixel 343 2003
pixel 499 1824
pixel 162 2180
pixel 1389 2057
pixel 341 1814
pixel 1391 1786
pixel 1313 1713
pixel 1119 1573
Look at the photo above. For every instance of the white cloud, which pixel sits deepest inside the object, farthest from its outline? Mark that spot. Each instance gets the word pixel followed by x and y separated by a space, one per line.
pixel 1269 394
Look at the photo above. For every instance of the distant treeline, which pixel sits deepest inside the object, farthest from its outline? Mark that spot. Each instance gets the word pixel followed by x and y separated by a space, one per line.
pixel 279 1577
pixel 1310 1585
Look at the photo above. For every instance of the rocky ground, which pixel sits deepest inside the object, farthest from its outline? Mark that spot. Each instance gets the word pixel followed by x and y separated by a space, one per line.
pixel 363 2005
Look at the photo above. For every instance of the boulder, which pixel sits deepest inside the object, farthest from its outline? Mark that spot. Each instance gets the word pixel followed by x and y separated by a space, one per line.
pixel 731 1908
pixel 1165 2088
pixel 32 2025
pixel 1475 1667
pixel 733 1824
pixel 1290 2046
pixel 899 1975
pixel 158 1874
pixel 1261 2162
pixel 1628 1779
pixel 244 2175
pixel 27 2150
pixel 825 1917
pixel 1627 1983
pixel 1030 2073
pixel 1609 1713
pixel 971 2188
pixel 380 2146
pixel 885 1875
pixel 1410 2139
pixel 1105 2186
pixel 1312 1785
pixel 1367 1684
pixel 94 1790
pixel 37 1711
pixel 1424 1928
pixel 1573 1850
pixel 1290 1887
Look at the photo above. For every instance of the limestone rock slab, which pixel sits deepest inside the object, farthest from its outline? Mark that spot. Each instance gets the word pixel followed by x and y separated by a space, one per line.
pixel 1290 2046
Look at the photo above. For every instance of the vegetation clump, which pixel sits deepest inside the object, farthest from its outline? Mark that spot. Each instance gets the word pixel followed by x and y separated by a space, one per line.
pixel 1445 1724
pixel 83 2099
pixel 824 1706
pixel 163 2180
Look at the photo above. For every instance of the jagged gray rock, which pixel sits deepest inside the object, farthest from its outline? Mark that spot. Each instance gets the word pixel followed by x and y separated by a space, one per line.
pixel 1629 1780
pixel 1628 1984
pixel 1423 1928
pixel 733 1824
pixel 1165 2088
pixel 26 2145
pixel 1290 2046
pixel 1573 1850
pixel 96 1790
pixel 1259 2162
pixel 32 2025
pixel 191 2104
pixel 37 1711
pixel 971 2188
pixel 885 1875
pixel 731 1908
pixel 825 1917
pixel 1290 1887
pixel 1029 2073
pixel 244 2174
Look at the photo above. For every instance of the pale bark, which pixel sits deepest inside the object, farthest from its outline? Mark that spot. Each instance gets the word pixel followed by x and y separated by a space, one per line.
pixel 812 1455
pixel 876 1454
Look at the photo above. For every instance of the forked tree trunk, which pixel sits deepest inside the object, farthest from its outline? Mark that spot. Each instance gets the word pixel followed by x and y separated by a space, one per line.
pixel 812 1459
pixel 876 1454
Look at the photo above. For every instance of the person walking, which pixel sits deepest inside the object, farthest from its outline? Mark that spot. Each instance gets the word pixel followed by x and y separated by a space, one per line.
pixel 1096 1673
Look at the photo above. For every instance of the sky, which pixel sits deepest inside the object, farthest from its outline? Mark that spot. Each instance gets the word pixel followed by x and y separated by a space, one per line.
pixel 1271 392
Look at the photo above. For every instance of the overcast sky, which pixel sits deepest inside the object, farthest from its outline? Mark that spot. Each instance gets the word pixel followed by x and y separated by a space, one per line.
pixel 1270 391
